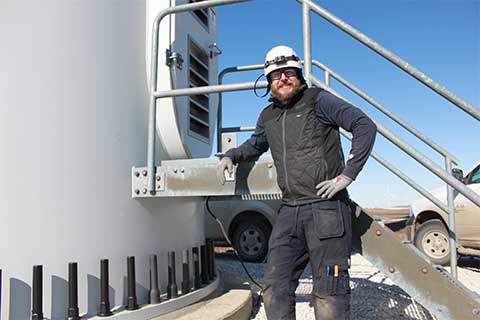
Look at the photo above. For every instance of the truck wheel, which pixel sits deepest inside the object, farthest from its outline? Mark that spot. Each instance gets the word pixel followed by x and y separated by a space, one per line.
pixel 251 240
pixel 432 239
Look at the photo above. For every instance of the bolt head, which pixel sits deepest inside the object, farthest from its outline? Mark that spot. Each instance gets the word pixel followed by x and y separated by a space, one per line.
pixel 137 191
pixel 137 174
pixel 391 269
pixel 229 140
pixel 144 173
pixel 144 190
pixel 424 270
pixel 175 170
pixel 378 233
pixel 269 165
pixel 159 178
pixel 182 170
pixel 476 312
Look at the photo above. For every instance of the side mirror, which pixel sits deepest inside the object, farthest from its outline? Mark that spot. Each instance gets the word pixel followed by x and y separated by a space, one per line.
pixel 458 174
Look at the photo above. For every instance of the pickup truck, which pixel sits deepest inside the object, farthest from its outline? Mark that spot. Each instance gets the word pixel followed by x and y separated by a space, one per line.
pixel 427 225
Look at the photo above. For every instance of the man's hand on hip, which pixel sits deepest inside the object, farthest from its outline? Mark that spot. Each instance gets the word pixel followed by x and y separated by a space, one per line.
pixel 225 164
pixel 327 189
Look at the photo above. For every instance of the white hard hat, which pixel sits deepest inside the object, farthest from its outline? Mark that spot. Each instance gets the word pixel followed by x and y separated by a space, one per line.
pixel 281 57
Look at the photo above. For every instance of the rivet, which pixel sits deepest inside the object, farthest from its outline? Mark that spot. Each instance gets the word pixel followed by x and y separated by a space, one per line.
pixel 159 178
pixel 145 190
pixel 269 165
pixel 378 233
pixel 391 269
pixel 175 170
pixel 144 173
pixel 182 170
pixel 137 191
pixel 424 270
pixel 229 140
pixel 137 174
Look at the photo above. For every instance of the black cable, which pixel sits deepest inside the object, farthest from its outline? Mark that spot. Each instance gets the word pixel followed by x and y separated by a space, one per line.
pixel 255 88
pixel 256 303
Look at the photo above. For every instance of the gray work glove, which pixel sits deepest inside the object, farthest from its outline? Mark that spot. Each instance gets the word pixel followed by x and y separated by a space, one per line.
pixel 225 164
pixel 328 188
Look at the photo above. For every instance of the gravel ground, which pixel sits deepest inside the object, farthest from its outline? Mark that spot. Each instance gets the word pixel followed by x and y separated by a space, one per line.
pixel 373 295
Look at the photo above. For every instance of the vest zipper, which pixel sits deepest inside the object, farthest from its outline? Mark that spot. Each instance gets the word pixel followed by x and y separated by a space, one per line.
pixel 285 152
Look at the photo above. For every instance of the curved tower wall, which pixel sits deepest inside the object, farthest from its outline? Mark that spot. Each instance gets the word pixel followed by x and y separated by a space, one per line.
pixel 73 121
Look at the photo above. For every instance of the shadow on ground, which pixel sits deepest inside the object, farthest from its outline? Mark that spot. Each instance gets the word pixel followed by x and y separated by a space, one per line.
pixel 369 300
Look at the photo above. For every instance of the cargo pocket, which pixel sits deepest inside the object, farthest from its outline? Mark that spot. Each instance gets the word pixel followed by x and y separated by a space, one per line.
pixel 329 285
pixel 327 219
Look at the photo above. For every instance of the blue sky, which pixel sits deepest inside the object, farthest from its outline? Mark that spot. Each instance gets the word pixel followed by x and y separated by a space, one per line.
pixel 441 38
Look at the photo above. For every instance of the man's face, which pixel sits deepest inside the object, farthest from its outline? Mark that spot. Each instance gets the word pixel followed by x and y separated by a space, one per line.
pixel 285 84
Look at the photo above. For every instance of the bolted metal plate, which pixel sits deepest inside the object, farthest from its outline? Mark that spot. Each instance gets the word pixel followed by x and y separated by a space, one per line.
pixel 229 140
pixel 199 177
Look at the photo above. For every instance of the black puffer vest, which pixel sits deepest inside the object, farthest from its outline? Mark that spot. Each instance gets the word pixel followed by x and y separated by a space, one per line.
pixel 305 151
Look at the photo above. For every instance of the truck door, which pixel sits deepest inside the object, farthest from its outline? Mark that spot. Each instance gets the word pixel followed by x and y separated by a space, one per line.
pixel 468 214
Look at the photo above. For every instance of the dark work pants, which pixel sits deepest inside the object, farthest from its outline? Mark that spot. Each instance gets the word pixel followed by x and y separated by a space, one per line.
pixel 319 233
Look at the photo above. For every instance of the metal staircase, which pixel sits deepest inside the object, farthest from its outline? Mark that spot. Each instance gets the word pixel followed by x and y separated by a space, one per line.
pixel 431 285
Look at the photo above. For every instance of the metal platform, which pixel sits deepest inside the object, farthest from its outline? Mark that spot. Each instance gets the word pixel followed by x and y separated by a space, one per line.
pixel 429 284
pixel 198 177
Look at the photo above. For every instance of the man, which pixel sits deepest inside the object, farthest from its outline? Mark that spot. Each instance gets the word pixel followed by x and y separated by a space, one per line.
pixel 301 127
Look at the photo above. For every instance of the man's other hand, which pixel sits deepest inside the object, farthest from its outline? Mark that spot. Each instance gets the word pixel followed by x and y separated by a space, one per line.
pixel 327 189
pixel 225 164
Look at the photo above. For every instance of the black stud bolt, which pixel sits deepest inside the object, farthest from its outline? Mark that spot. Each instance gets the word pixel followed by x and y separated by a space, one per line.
pixel 154 292
pixel 37 293
pixel 73 291
pixel 213 259
pixel 104 293
pixel 186 272
pixel 203 253
pixel 172 289
pixel 132 295
pixel 209 260
pixel 211 251
pixel 197 281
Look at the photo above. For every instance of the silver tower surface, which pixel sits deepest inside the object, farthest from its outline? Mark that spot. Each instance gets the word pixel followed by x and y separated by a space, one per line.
pixel 74 100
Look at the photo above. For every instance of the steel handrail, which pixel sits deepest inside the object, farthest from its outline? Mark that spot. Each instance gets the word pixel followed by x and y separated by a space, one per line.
pixel 220 108
pixel 385 111
pixel 415 154
pixel 390 56
pixel 152 114
pixel 347 135
pixel 403 176
pixel 363 95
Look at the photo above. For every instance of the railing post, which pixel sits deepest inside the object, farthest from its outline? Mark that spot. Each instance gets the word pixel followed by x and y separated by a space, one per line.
pixel 327 78
pixel 451 222
pixel 219 123
pixel 307 43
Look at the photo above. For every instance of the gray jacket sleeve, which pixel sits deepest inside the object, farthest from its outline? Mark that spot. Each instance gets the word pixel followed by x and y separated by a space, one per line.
pixel 334 111
pixel 253 148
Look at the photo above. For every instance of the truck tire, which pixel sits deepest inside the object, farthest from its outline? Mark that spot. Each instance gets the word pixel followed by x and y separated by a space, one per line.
pixel 251 240
pixel 432 239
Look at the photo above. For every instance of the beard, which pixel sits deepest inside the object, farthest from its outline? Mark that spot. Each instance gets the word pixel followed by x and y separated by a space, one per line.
pixel 286 92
